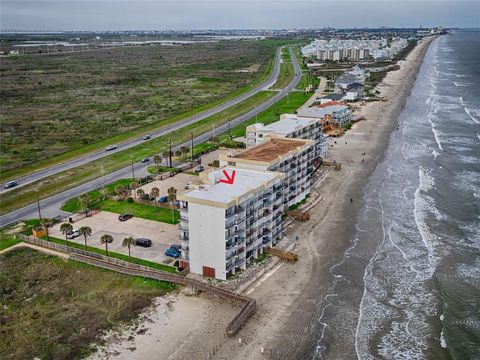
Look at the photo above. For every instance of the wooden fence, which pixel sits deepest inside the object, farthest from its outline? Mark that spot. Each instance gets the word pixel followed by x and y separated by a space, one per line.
pixel 121 266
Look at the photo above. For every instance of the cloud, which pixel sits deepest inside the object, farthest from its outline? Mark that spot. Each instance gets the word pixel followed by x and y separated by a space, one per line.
pixel 211 14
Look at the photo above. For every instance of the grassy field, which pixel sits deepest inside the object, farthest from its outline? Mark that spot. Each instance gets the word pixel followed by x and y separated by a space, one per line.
pixel 19 197
pixel 285 76
pixel 57 309
pixel 141 211
pixel 68 104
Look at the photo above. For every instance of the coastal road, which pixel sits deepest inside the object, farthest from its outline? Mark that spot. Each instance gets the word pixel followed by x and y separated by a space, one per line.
pixel 40 174
pixel 53 203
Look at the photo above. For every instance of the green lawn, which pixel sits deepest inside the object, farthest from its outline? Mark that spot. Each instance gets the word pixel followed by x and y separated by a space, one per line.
pixel 73 205
pixel 134 260
pixel 142 211
pixel 7 240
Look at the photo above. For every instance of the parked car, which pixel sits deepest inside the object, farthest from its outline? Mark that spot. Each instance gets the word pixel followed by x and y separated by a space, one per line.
pixel 199 168
pixel 147 197
pixel 146 137
pixel 187 186
pixel 73 234
pixel 111 147
pixel 10 185
pixel 145 160
pixel 177 247
pixel 124 217
pixel 143 242
pixel 162 199
pixel 172 253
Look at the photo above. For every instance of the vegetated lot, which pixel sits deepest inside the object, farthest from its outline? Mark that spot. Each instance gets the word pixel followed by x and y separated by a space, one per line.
pixel 57 309
pixel 162 235
pixel 53 104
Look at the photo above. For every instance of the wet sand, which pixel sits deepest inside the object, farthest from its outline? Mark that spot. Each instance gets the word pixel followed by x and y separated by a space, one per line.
pixel 289 296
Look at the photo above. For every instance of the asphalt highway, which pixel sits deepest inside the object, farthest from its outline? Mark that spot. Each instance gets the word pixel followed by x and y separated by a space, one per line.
pixel 40 174
pixel 55 201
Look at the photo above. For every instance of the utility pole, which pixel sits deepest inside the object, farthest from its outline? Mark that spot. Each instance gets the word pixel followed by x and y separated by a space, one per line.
pixel 229 129
pixel 38 203
pixel 191 148
pixel 133 170
pixel 213 130
pixel 170 154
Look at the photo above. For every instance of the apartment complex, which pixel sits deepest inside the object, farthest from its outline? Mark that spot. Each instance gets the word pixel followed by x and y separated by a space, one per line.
pixel 354 49
pixel 224 226
pixel 290 126
pixel 293 157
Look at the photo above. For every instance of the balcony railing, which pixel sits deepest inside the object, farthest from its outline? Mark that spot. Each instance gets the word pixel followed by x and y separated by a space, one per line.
pixel 184 237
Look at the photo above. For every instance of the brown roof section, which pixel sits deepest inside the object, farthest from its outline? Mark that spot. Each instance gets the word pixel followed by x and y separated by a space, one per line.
pixel 270 150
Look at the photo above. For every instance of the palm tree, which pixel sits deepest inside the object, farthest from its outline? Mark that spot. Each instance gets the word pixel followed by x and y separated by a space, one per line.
pixel 127 242
pixel 185 150
pixel 155 193
pixel 84 200
pixel 106 239
pixel 46 223
pixel 172 197
pixel 119 191
pixel 140 192
pixel 85 231
pixel 178 153
pixel 134 185
pixel 65 228
pixel 157 159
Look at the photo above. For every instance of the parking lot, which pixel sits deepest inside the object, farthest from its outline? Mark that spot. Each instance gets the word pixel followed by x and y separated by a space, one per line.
pixel 178 182
pixel 162 235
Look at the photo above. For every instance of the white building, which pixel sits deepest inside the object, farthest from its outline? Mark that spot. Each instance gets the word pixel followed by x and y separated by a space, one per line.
pixel 224 226
pixel 293 157
pixel 290 126
pixel 341 114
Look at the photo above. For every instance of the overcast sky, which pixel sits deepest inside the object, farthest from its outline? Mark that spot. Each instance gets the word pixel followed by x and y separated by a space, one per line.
pixel 232 14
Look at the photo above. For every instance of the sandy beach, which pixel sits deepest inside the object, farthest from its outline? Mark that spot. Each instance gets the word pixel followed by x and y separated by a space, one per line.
pixel 288 295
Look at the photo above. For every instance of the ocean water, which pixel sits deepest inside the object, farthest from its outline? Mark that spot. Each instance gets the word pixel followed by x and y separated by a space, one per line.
pixel 409 285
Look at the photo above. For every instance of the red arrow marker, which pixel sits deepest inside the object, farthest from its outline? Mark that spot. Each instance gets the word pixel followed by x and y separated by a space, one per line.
pixel 229 179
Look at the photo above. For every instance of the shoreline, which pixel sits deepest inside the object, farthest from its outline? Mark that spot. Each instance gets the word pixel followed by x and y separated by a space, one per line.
pixel 289 296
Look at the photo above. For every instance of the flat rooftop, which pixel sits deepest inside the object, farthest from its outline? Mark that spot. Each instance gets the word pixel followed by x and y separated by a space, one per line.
pixel 245 180
pixel 270 150
pixel 286 126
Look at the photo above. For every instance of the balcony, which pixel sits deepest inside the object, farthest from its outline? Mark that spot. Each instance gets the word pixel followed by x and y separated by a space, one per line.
pixel 183 226
pixel 184 245
pixel 184 237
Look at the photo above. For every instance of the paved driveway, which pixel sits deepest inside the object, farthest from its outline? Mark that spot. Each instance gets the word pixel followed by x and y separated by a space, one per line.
pixel 161 234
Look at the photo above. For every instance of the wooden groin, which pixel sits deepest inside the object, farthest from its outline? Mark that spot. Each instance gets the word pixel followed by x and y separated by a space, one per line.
pixel 282 254
pixel 125 267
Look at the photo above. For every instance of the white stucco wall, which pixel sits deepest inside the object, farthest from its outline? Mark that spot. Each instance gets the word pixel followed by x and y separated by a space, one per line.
pixel 206 227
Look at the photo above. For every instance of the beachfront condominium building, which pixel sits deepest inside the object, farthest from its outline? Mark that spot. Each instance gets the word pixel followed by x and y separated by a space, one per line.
pixel 293 157
pixel 340 113
pixel 224 226
pixel 290 126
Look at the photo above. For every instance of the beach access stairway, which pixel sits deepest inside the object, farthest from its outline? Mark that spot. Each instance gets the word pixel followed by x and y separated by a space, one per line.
pixel 124 267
